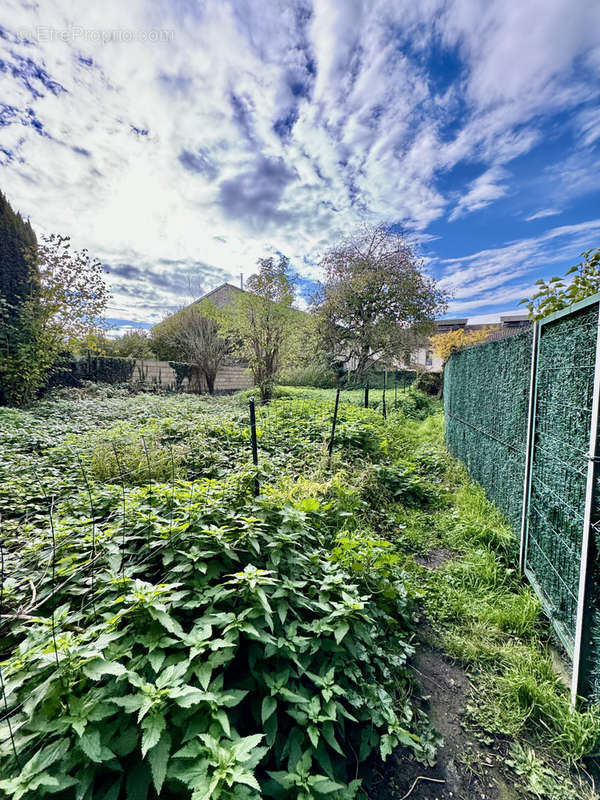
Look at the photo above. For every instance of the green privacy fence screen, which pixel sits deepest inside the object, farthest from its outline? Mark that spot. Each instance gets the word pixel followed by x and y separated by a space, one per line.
pixel 522 414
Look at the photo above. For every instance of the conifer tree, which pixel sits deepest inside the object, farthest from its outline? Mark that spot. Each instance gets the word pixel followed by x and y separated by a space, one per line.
pixel 18 280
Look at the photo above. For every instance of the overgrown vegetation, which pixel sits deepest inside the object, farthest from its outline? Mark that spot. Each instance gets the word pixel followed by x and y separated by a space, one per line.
pixel 213 644
pixel 205 641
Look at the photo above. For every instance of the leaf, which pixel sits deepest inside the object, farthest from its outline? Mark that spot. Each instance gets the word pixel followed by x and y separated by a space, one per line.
pixel 204 674
pixel 138 782
pixel 91 745
pixel 113 792
pixel 340 631
pixel 329 736
pixel 158 758
pixel 46 757
pixel 270 727
pixel 156 659
pixel 243 747
pixel 248 779
pixel 152 727
pixel 98 667
pixel 223 720
pixel 313 735
pixel 269 705
pixel 167 622
pixel 323 785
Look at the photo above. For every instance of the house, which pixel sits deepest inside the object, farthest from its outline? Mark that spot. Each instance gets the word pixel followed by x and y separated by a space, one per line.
pixel 423 357
pixel 223 296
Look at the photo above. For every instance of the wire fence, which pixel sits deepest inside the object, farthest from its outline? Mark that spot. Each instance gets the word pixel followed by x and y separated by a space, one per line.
pixel 522 414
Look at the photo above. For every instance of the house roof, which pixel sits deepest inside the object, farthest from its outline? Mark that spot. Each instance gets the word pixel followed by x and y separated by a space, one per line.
pixel 225 290
pixel 223 295
pixel 514 317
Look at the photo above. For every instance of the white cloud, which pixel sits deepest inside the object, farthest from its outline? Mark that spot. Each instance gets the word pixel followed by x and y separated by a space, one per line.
pixel 496 276
pixel 544 212
pixel 482 191
pixel 243 133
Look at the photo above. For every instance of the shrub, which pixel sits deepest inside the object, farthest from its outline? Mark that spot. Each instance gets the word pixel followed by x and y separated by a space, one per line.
pixel 429 382
pixel 232 658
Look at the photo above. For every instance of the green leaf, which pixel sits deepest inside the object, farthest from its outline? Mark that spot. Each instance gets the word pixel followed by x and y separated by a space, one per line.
pixel 204 674
pixel 243 747
pixel 340 631
pixel 158 757
pixel 156 659
pixel 113 792
pixel 223 720
pixel 98 667
pixel 91 745
pixel 313 735
pixel 329 736
pixel 323 785
pixel 248 779
pixel 138 782
pixel 270 727
pixel 152 727
pixel 46 757
pixel 269 706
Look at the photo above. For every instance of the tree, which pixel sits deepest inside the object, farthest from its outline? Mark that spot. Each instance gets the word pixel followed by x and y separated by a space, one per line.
pixel 63 313
pixel 19 292
pixel 557 294
pixel 264 322
pixel 192 334
pixel 375 301
pixel 18 280
pixel 132 344
pixel 73 294
pixel 444 344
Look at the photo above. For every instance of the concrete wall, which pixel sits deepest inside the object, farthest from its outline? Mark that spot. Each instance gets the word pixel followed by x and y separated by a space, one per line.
pixel 230 377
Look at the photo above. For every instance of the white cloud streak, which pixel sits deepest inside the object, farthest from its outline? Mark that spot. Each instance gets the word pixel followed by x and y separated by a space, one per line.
pixel 245 133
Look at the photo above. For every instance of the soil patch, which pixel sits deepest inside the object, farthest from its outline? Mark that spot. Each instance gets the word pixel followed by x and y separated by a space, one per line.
pixel 466 768
pixel 435 558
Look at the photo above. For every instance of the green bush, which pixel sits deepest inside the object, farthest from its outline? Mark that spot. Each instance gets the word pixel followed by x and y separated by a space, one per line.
pixel 319 375
pixel 429 382
pixel 236 660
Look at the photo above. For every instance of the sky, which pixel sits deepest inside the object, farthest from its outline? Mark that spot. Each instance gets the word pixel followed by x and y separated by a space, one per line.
pixel 180 141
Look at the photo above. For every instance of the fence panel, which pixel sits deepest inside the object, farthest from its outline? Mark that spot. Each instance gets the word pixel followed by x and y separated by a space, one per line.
pixel 486 398
pixel 486 391
pixel 559 464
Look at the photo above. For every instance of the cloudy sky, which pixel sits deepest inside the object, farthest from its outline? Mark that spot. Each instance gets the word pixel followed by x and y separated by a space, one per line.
pixel 181 140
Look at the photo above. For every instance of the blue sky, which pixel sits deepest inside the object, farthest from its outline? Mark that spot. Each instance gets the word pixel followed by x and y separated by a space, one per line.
pixel 179 142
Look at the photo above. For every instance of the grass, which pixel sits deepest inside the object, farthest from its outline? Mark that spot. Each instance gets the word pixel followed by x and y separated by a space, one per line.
pixel 482 614
pixel 480 611
pixel 408 499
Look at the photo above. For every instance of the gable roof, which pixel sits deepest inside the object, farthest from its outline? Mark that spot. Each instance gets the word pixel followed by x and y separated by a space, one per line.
pixel 222 295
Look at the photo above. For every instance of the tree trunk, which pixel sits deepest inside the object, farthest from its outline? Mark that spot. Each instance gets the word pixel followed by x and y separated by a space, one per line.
pixel 210 377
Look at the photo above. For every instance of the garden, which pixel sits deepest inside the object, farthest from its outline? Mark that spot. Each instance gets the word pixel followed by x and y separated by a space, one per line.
pixel 177 621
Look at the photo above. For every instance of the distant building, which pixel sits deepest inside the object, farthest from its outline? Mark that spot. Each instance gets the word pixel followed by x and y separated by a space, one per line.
pixel 224 295
pixel 423 357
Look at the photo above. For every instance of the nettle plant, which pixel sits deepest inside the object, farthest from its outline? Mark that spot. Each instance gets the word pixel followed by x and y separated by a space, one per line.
pixel 223 653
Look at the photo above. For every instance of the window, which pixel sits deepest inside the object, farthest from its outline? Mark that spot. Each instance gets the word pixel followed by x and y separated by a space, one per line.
pixel 428 358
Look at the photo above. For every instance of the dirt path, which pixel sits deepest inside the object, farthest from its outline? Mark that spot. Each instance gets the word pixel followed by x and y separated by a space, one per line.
pixel 466 769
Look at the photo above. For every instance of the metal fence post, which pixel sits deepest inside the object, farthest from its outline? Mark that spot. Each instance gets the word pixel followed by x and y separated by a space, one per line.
pixel 581 647
pixel 367 395
pixel 254 444
pixel 528 447
pixel 383 408
pixel 333 424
